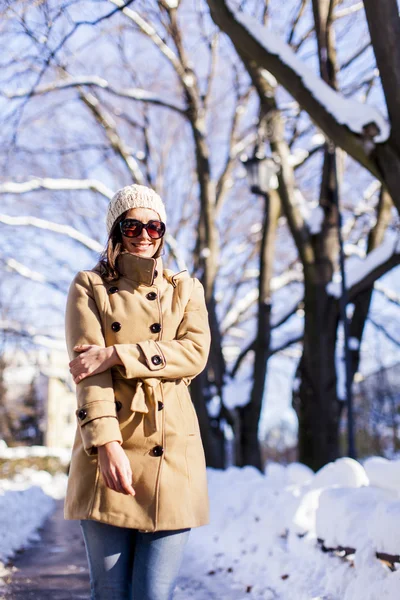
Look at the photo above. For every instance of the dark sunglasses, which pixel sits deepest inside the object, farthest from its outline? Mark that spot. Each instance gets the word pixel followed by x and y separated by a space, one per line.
pixel 132 228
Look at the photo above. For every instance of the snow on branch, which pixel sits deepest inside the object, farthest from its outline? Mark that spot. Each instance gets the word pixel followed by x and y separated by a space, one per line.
pixel 327 107
pixel 349 10
pixel 345 111
pixel 13 265
pixel 390 295
pixel 241 306
pixel 46 183
pixel 290 276
pixel 93 81
pixel 55 227
pixel 171 4
pixel 358 270
pixel 10 264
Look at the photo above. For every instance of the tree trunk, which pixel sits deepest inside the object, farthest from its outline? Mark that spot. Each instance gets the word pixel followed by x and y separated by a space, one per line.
pixel 316 404
pixel 384 28
pixel 212 437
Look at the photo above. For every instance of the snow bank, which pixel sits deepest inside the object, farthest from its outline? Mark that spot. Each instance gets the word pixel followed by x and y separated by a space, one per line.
pixel 26 500
pixel 383 473
pixel 344 471
pixel 262 541
pixel 347 517
pixel 64 454
pixel 22 512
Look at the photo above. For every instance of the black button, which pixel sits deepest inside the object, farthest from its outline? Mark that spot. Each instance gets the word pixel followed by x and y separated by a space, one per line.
pixel 116 326
pixel 118 405
pixel 157 450
pixel 156 359
pixel 155 273
pixel 155 328
pixel 151 296
pixel 160 405
pixel 82 413
pixel 113 289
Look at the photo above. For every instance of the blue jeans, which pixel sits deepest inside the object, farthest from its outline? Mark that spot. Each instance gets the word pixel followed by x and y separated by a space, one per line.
pixel 125 564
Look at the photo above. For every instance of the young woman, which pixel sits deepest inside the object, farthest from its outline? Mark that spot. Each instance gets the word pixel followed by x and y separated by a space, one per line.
pixel 136 335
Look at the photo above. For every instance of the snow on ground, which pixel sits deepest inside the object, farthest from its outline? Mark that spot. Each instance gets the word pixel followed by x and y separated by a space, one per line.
pixel 253 549
pixel 27 499
pixel 64 454
pixel 262 540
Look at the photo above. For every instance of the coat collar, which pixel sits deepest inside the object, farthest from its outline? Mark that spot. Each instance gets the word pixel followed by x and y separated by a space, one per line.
pixel 148 271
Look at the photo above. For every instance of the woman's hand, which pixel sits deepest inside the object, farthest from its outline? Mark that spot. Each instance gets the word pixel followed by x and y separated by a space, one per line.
pixel 115 468
pixel 93 359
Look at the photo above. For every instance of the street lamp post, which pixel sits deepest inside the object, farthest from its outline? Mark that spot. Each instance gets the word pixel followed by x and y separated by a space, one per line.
pixel 261 171
pixel 343 310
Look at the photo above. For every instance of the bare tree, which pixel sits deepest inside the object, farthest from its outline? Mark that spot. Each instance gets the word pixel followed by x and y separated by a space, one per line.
pixel 316 402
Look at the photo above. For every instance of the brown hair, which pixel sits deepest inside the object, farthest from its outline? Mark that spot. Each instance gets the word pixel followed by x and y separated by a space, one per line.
pixel 108 266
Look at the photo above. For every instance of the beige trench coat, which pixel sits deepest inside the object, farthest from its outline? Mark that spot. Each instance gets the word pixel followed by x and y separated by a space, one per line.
pixel 158 323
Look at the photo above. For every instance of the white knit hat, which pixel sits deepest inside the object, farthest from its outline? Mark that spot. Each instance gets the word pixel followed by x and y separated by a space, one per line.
pixel 134 196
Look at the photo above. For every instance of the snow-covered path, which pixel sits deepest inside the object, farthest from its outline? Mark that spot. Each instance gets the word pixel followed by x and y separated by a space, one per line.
pixel 54 567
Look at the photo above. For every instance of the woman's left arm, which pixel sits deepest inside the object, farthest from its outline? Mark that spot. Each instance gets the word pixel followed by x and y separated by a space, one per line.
pixel 185 356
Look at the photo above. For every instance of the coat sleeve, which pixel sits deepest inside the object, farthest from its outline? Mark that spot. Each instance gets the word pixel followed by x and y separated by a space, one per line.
pixel 96 412
pixel 185 356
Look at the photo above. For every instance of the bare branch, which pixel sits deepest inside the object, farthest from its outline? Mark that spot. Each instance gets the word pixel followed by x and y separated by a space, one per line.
pixel 109 125
pixel 292 310
pixel 283 345
pixel 151 32
pixel 56 50
pixel 300 12
pixel 94 81
pixel 373 275
pixel 240 358
pixel 354 57
pixel 385 332
pixel 273 350
pixel 241 306
pixel 222 185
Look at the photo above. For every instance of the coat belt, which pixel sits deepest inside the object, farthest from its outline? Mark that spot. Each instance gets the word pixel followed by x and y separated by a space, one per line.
pixel 145 400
